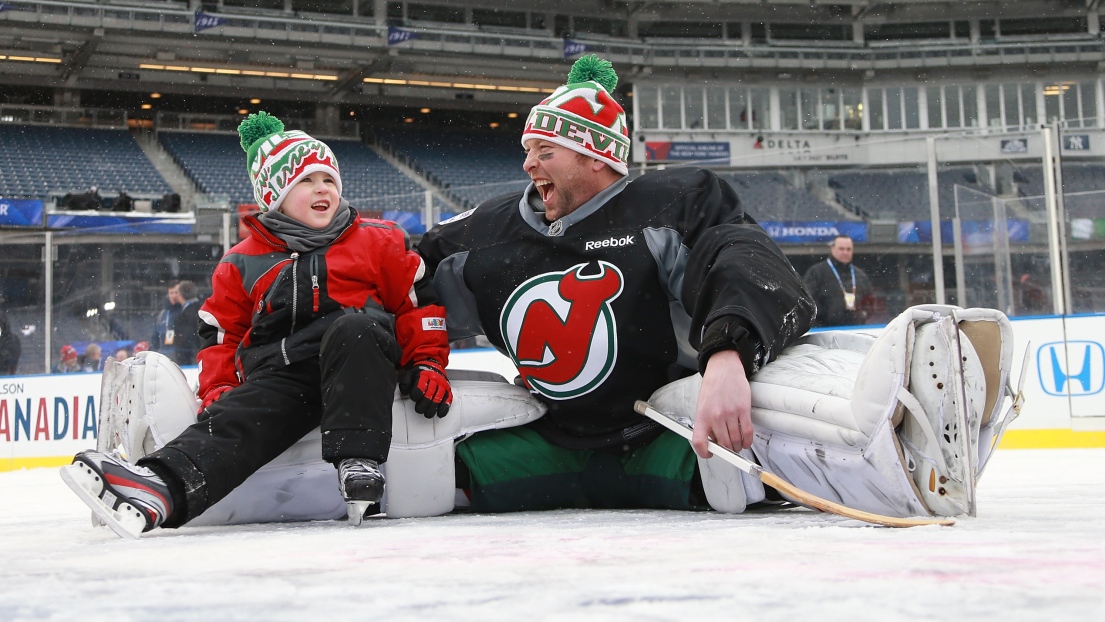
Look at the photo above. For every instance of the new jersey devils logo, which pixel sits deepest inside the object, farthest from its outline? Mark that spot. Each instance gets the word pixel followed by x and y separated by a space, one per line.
pixel 560 331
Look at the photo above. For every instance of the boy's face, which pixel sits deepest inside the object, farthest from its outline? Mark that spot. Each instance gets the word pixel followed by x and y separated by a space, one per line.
pixel 313 200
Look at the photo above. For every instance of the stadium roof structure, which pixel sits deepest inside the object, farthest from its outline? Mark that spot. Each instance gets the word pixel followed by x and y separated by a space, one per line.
pixel 352 59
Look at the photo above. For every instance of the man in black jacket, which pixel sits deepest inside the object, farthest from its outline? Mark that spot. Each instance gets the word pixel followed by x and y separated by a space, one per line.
pixel 601 291
pixel 10 348
pixel 186 339
pixel 838 286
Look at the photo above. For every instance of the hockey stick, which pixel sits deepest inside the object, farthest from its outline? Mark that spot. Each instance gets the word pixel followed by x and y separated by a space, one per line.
pixel 683 427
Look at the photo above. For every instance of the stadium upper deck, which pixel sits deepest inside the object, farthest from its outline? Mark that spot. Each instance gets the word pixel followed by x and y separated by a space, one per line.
pixel 494 56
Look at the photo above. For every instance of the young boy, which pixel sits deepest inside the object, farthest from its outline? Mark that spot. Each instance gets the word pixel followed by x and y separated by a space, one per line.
pixel 307 321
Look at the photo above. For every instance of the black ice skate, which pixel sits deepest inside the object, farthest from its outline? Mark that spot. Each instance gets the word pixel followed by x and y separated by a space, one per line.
pixel 362 485
pixel 130 499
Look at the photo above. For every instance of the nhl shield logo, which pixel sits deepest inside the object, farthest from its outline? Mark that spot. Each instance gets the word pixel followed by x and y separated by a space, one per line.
pixel 560 331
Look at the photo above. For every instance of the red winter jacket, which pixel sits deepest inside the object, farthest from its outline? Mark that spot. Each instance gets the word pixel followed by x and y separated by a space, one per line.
pixel 270 305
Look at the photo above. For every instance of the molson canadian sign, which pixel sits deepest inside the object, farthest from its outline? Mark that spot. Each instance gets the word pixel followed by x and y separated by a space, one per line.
pixel 46 419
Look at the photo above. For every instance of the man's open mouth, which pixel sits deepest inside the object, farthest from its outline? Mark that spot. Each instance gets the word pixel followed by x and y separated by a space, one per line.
pixel 545 187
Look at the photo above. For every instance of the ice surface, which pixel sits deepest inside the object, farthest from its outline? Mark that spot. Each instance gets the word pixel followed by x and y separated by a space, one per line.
pixel 1035 552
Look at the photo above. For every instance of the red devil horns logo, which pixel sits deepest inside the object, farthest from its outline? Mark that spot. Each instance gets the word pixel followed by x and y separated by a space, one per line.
pixel 564 354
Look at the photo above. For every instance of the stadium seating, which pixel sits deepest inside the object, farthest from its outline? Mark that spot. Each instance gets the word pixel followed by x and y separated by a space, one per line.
pixel 768 197
pixel 1083 188
pixel 900 195
pixel 217 165
pixel 470 166
pixel 38 160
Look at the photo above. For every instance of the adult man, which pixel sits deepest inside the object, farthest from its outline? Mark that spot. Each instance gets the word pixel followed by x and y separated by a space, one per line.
pixel 186 324
pixel 10 347
pixel 838 286
pixel 164 336
pixel 93 355
pixel 600 291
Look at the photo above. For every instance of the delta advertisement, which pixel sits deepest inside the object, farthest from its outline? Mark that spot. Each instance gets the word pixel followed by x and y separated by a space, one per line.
pixel 816 231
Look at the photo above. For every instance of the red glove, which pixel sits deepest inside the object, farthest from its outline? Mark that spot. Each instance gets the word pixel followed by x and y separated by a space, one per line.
pixel 209 399
pixel 428 387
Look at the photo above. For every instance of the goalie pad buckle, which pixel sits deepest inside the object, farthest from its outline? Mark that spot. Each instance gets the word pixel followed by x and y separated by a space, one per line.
pixel 943 410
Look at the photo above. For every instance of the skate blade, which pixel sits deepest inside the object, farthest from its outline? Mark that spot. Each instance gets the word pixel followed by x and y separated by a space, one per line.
pixel 126 521
pixel 356 511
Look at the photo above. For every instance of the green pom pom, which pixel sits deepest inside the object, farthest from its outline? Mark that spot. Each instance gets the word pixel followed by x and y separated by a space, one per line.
pixel 257 126
pixel 592 67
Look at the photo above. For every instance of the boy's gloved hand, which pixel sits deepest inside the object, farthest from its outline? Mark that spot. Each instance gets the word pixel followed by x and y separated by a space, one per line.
pixel 210 398
pixel 428 388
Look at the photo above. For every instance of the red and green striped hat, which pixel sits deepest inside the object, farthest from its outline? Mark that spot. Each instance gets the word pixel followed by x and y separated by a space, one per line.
pixel 582 116
pixel 276 159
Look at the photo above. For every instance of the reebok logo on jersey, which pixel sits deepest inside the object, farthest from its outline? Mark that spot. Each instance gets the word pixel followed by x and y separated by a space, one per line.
pixel 609 243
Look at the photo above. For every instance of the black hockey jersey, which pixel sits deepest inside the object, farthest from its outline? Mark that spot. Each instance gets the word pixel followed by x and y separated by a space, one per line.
pixel 609 303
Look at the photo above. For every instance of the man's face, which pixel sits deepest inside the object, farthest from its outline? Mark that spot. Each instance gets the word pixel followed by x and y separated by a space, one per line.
pixel 842 250
pixel 174 295
pixel 562 176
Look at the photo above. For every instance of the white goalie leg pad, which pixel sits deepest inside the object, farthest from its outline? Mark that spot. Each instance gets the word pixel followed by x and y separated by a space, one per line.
pixel 727 488
pixel 822 416
pixel 936 430
pixel 146 401
pixel 956 419
pixel 827 411
pixel 420 471
pixel 991 335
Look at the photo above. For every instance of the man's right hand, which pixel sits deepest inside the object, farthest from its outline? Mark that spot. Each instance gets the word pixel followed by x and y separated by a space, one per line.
pixel 724 409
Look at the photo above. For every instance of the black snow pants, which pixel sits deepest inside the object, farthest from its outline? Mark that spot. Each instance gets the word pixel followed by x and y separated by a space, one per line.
pixel 347 390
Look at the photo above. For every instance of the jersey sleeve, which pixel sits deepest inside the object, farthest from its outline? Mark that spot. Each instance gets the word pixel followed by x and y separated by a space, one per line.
pixel 408 293
pixel 739 288
pixel 224 321
pixel 445 255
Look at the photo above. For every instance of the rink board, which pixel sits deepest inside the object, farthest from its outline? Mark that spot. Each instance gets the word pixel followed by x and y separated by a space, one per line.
pixel 46 419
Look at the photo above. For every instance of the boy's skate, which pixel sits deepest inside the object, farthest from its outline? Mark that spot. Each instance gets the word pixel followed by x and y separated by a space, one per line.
pixel 130 499
pixel 362 485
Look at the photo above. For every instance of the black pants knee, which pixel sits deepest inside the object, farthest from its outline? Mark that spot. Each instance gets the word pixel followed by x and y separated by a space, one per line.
pixel 347 390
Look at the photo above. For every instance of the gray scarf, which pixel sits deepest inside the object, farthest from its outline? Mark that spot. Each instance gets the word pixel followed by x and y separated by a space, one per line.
pixel 300 237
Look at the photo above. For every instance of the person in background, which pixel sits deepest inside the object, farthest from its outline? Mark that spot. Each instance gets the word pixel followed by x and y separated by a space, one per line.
pixel 121 354
pixel 93 356
pixel 141 346
pixel 186 324
pixel 163 336
pixel 69 361
pixel 838 287
pixel 10 347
